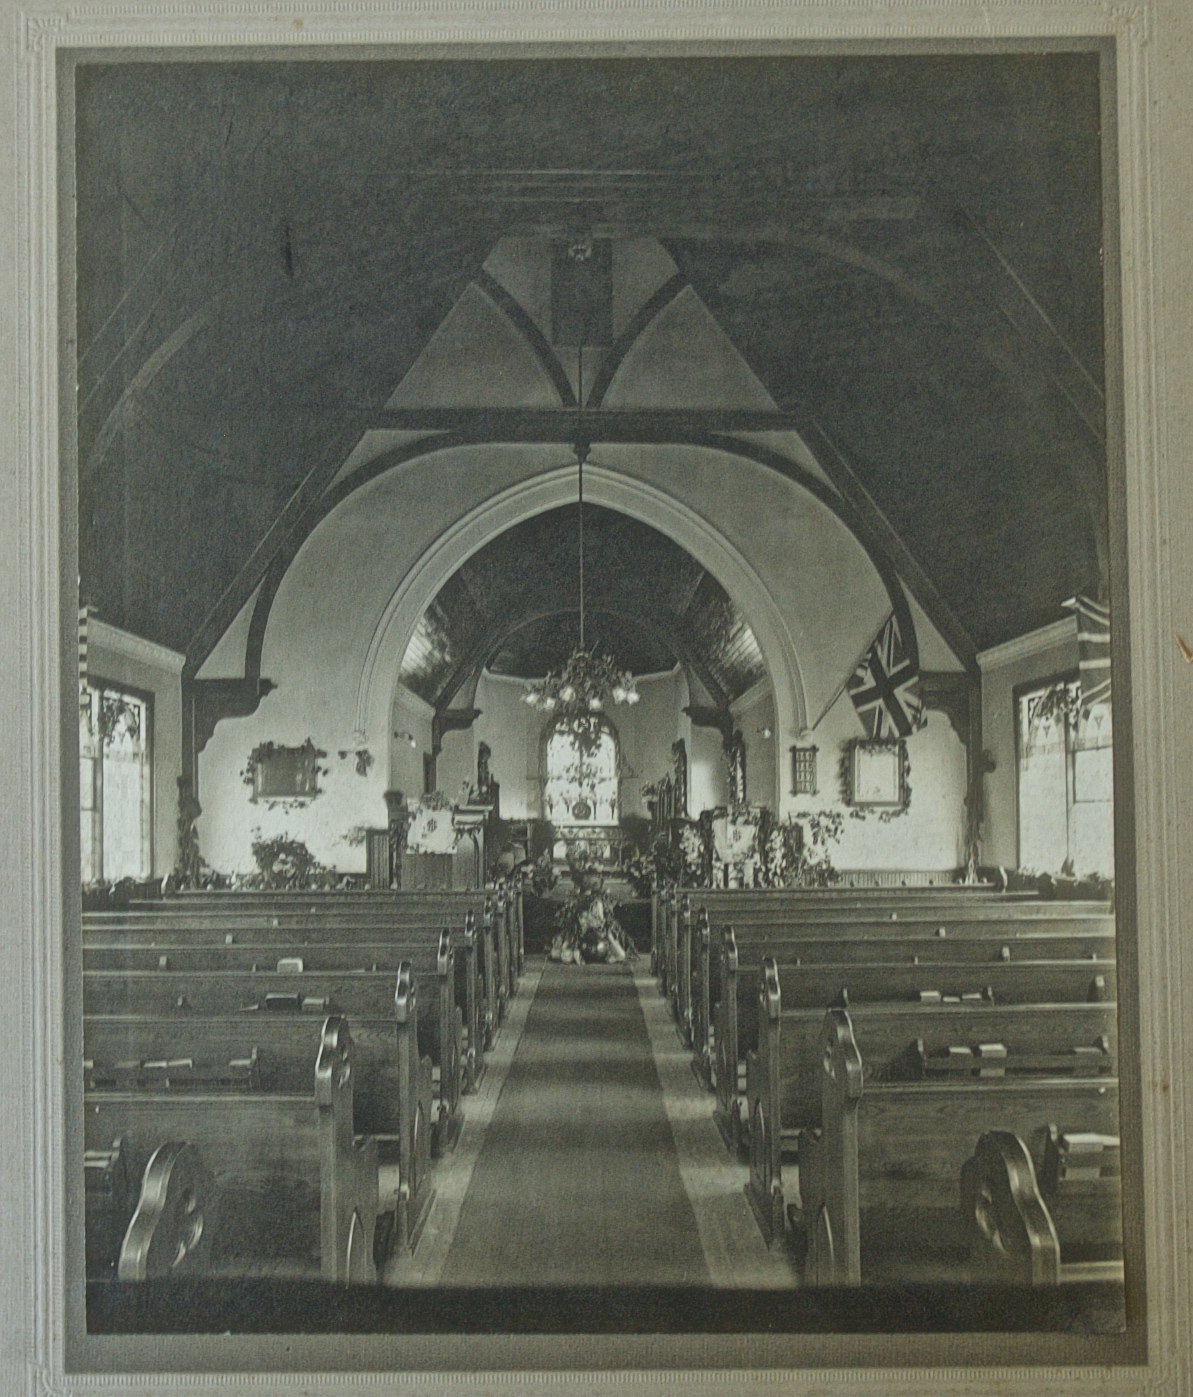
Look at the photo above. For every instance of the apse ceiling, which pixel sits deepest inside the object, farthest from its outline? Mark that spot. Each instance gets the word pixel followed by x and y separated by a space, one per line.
pixel 906 253
pixel 513 608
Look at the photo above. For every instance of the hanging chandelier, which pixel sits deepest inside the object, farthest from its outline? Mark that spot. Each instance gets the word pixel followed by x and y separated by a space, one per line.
pixel 587 682
pixel 583 686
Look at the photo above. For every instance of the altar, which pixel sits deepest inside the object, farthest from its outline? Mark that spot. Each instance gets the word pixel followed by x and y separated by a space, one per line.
pixel 597 846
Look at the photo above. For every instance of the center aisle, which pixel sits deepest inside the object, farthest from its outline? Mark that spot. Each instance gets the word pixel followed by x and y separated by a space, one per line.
pixel 577 1182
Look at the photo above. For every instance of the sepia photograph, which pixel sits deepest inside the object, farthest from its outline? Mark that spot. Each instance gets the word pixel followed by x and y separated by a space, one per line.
pixel 597 802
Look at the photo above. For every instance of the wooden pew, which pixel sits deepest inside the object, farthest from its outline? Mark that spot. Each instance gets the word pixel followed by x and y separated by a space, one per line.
pixel 111 945
pixel 728 1002
pixel 214 911
pixel 108 1191
pixel 361 897
pixel 901 1042
pixel 910 942
pixel 167 1234
pixel 430 950
pixel 943 915
pixel 664 911
pixel 687 957
pixel 273 1052
pixel 878 1182
pixel 363 995
pixel 280 1144
pixel 1060 1226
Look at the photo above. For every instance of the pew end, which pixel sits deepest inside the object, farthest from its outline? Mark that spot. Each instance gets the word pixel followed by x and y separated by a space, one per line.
pixel 167 1234
pixel 1060 1226
pixel 1012 1235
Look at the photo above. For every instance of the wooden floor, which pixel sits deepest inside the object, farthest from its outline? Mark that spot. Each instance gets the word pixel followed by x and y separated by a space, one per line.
pixel 589 1156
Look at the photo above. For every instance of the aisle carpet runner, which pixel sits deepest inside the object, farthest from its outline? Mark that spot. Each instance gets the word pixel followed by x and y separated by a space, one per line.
pixel 577 1182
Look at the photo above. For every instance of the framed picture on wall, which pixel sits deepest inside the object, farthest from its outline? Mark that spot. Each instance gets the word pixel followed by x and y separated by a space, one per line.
pixel 878 775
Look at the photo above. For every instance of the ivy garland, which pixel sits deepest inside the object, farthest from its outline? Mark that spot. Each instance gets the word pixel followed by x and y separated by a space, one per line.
pixel 113 713
pixel 844 776
pixel 1060 702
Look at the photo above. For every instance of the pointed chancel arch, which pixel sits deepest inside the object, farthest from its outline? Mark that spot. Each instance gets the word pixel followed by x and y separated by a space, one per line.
pixel 379 673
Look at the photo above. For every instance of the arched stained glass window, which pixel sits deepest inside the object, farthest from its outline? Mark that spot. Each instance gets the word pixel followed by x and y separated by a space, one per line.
pixel 580 772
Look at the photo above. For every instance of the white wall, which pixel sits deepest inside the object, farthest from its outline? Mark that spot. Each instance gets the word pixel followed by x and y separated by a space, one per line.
pixel 754 714
pixel 140 664
pixel 231 819
pixel 327 624
pixel 1042 655
pixel 408 714
pixel 929 836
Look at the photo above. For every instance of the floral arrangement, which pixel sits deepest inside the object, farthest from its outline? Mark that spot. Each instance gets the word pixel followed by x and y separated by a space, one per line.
pixel 363 760
pixel 795 852
pixel 283 862
pixel 186 866
pixel 587 921
pixel 1066 886
pixel 542 874
pixel 694 849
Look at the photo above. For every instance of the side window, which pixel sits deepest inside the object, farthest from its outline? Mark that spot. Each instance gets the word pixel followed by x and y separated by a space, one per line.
pixel 116 783
pixel 1066 818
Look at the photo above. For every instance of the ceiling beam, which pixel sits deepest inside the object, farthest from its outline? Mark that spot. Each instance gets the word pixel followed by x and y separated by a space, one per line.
pixel 562 424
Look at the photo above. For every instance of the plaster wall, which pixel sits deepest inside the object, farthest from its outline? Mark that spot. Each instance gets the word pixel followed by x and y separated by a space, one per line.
pixel 126 659
pixel 823 583
pixel 708 774
pixel 328 824
pixel 929 836
pixel 754 714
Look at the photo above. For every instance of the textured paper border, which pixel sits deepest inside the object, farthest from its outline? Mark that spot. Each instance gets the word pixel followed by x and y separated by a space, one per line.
pixel 1156 532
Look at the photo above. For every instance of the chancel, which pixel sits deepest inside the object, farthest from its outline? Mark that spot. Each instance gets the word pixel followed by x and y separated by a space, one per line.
pixel 595 710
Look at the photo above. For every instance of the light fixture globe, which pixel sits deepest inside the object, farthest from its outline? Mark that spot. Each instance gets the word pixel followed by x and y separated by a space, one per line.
pixel 583 686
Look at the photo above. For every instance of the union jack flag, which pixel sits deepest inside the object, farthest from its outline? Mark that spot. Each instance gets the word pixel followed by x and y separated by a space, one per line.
pixel 1093 650
pixel 885 687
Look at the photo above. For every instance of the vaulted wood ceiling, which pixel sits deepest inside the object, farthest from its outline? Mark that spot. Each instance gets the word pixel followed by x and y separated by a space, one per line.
pixel 513 608
pixel 907 252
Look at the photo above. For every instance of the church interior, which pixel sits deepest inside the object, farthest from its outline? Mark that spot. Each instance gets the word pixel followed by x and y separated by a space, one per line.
pixel 595 740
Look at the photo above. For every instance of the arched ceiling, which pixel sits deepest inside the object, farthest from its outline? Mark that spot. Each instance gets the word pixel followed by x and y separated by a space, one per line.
pixel 513 608
pixel 905 251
